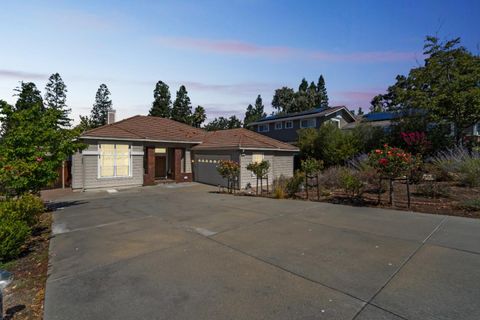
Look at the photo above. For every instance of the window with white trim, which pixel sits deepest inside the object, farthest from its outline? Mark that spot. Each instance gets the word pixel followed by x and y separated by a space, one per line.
pixel 263 127
pixel 335 122
pixel 278 126
pixel 288 124
pixel 308 123
pixel 114 160
pixel 257 157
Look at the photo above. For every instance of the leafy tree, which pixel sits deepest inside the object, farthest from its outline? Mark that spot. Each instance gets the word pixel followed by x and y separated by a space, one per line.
pixel 445 90
pixel 284 100
pixel 360 111
pixel 254 113
pixel 28 96
pixel 222 123
pixel 182 108
pixel 161 106
pixel 33 147
pixel 369 137
pixel 55 98
pixel 322 96
pixel 328 143
pixel 198 117
pixel 102 105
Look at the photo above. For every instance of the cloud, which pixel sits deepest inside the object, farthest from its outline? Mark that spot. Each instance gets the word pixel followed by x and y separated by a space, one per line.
pixel 21 75
pixel 233 47
pixel 238 88
pixel 355 99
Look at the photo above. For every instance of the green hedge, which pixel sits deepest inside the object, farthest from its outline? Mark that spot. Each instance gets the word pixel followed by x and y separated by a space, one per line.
pixel 17 218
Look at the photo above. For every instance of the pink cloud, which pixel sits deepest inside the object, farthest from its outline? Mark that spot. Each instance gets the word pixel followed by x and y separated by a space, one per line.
pixel 21 75
pixel 225 46
pixel 234 47
pixel 355 99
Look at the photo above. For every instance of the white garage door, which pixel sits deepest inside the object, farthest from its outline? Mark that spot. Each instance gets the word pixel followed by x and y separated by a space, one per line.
pixel 205 168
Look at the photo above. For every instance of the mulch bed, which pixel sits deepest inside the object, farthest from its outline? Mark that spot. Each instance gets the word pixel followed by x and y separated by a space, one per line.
pixel 447 204
pixel 23 299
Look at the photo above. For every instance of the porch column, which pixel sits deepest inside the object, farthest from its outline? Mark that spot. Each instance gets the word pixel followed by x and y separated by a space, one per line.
pixel 149 175
pixel 178 175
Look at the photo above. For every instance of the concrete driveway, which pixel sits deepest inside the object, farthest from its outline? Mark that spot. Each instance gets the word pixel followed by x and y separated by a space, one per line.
pixel 182 252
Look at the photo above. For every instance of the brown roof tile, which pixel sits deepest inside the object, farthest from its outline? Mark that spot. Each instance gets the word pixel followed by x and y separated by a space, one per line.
pixel 148 128
pixel 241 139
pixel 161 129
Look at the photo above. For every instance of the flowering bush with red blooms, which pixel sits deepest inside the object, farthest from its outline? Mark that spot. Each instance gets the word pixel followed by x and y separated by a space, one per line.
pixel 416 141
pixel 391 162
pixel 228 169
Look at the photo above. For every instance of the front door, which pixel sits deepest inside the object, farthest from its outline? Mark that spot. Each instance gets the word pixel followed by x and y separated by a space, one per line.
pixel 160 166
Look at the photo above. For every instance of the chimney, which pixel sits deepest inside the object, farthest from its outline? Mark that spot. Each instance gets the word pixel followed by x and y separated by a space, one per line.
pixel 111 117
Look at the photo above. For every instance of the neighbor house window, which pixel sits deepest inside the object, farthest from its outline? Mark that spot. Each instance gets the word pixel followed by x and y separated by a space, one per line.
pixel 308 123
pixel 288 124
pixel 257 157
pixel 336 122
pixel 114 160
pixel 263 127
pixel 278 126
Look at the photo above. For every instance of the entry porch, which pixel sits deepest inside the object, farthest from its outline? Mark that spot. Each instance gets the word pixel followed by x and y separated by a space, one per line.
pixel 167 162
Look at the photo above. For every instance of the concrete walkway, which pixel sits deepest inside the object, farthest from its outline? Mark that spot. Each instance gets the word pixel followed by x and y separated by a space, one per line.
pixel 183 252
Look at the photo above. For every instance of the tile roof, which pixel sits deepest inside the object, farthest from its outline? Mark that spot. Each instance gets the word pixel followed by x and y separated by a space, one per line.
pixel 241 139
pixel 148 128
pixel 161 129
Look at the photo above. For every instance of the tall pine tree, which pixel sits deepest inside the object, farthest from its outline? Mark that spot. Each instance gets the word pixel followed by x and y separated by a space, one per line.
pixel 100 109
pixel 162 103
pixel 182 108
pixel 322 96
pixel 28 96
pixel 55 98
pixel 254 113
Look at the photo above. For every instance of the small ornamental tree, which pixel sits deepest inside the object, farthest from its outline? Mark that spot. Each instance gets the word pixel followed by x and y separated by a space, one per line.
pixel 390 162
pixel 312 167
pixel 229 170
pixel 260 170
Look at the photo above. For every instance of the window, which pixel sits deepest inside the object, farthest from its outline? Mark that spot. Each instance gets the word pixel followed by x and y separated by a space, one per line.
pixel 160 150
pixel 308 123
pixel 257 157
pixel 263 127
pixel 288 124
pixel 335 122
pixel 278 126
pixel 114 160
pixel 476 129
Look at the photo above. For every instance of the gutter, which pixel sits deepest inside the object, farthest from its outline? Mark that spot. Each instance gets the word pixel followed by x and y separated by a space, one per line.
pixel 240 148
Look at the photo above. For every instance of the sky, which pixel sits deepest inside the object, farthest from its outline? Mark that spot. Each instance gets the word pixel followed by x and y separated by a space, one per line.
pixel 224 52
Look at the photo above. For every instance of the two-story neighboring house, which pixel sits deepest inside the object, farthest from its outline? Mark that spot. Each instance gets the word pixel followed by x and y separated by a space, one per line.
pixel 284 127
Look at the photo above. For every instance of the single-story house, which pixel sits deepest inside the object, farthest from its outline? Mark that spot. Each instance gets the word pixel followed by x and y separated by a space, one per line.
pixel 284 127
pixel 142 150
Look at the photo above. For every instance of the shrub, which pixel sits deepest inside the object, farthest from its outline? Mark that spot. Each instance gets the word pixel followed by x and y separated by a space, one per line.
pixel 330 178
pixel 470 205
pixel 27 209
pixel 13 235
pixel 433 190
pixel 458 163
pixel 351 183
pixel 280 187
pixel 294 183
pixel 470 172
